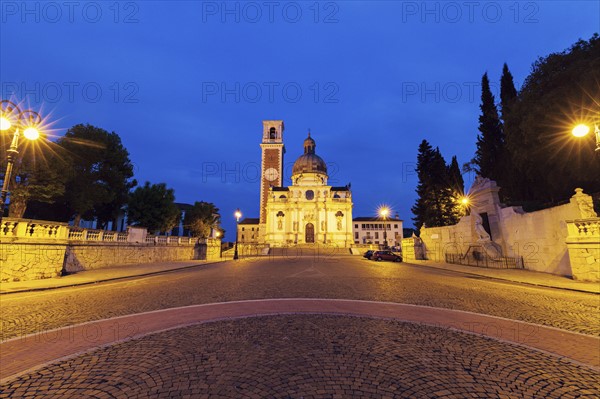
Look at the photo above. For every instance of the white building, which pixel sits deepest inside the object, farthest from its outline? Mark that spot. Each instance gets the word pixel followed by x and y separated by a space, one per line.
pixel 372 230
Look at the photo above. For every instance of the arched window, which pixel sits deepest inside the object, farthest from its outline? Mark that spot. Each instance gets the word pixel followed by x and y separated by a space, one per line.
pixel 280 214
pixel 272 133
pixel 339 214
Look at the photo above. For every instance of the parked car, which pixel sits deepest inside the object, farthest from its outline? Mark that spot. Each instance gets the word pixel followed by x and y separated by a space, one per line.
pixel 368 254
pixel 386 255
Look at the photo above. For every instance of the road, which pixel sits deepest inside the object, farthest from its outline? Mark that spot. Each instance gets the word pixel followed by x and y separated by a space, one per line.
pixel 309 355
pixel 341 277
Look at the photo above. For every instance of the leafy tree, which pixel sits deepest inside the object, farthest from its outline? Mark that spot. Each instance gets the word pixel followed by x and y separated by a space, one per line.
pixel 562 90
pixel 38 174
pixel 100 173
pixel 436 203
pixel 490 141
pixel 202 218
pixel 153 206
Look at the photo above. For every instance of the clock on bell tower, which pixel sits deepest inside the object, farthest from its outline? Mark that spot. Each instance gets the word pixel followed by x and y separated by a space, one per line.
pixel 272 161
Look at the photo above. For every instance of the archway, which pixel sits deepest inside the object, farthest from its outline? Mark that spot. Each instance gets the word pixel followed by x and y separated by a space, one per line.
pixel 309 236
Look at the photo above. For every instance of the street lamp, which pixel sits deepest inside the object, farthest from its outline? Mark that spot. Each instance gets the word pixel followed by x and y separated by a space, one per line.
pixel 237 215
pixel 582 130
pixel 11 117
pixel 383 212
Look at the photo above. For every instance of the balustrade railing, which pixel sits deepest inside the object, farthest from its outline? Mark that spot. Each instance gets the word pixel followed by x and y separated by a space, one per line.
pixel 584 228
pixel 39 229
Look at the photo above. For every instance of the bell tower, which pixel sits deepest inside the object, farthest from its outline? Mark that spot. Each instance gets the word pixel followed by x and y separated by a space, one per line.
pixel 271 162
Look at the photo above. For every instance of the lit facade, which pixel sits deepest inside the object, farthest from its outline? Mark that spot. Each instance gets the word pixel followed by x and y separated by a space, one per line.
pixel 308 212
pixel 370 230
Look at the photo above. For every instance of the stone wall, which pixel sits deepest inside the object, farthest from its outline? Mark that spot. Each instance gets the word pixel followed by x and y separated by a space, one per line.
pixel 30 261
pixel 540 238
pixel 92 256
pixel 36 249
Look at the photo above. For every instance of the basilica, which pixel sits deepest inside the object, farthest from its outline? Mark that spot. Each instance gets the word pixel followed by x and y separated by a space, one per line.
pixel 309 211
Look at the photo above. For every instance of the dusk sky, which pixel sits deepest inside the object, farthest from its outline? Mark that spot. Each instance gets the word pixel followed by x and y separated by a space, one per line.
pixel 187 84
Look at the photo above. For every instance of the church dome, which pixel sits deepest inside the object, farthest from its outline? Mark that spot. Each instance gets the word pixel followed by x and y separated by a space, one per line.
pixel 309 162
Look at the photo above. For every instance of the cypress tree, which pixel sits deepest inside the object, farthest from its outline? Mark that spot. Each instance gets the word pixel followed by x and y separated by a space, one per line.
pixel 508 92
pixel 514 182
pixel 490 141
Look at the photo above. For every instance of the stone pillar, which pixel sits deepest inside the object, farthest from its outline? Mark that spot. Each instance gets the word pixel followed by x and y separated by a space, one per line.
pixel 412 248
pixel 583 243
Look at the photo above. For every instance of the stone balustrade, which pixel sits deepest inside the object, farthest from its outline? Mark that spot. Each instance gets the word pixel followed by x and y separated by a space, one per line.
pixel 152 239
pixel 584 228
pixel 33 229
pixel 77 234
pixel 583 242
pixel 23 229
pixel 36 249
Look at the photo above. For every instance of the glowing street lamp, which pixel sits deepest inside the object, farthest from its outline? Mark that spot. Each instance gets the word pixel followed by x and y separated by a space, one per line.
pixel 583 130
pixel 384 211
pixel 11 117
pixel 237 215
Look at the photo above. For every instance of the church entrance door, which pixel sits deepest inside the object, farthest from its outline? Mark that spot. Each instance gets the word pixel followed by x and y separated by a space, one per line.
pixel 310 233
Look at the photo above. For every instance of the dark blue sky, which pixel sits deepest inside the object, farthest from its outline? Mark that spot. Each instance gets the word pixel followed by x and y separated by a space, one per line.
pixel 187 84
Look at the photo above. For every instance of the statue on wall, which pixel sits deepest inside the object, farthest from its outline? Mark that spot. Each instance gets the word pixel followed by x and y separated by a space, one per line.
pixel 339 216
pixel 482 235
pixel 323 226
pixel 480 181
pixel 585 204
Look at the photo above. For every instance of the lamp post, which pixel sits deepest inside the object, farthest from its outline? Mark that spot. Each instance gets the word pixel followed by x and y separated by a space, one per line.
pixel 582 130
pixel 383 212
pixel 11 117
pixel 237 215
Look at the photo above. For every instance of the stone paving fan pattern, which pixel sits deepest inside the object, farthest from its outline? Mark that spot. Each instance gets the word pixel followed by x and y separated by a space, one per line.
pixel 309 356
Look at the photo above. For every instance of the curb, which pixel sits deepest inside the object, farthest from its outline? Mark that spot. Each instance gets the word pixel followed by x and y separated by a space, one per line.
pixel 505 279
pixel 105 280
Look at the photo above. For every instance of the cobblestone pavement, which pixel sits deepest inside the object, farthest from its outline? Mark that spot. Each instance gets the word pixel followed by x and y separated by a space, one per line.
pixel 306 277
pixel 309 356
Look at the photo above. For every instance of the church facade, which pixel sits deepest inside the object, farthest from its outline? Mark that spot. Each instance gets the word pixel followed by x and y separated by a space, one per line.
pixel 309 211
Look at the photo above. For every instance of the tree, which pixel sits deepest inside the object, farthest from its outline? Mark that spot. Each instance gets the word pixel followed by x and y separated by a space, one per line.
pixel 455 179
pixel 456 183
pixel 202 218
pixel 100 173
pixel 153 206
pixel 436 203
pixel 421 207
pixel 490 141
pixel 508 92
pixel 508 96
pixel 562 90
pixel 38 175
